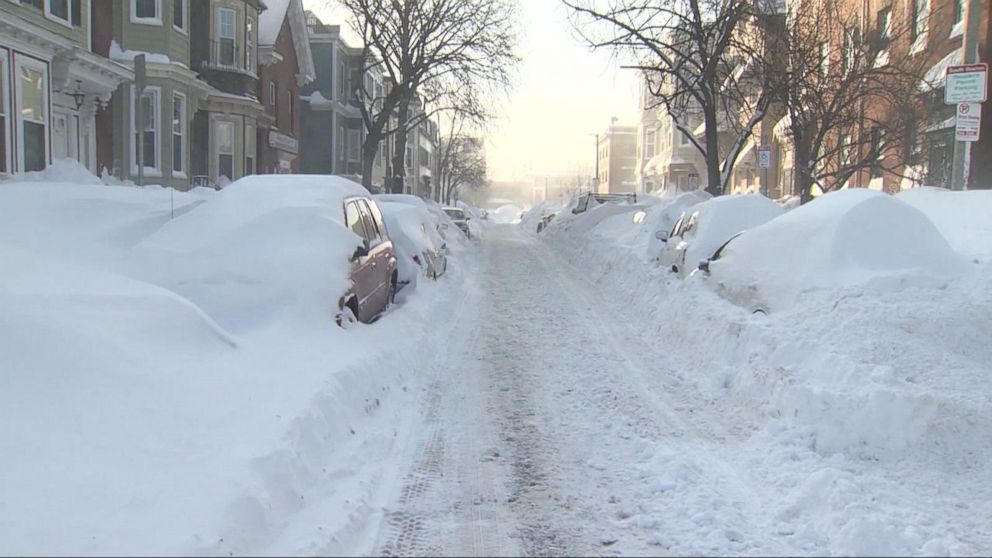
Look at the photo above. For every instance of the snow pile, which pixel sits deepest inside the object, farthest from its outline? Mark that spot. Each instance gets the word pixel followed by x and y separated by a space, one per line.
pixel 61 170
pixel 414 233
pixel 841 239
pixel 122 55
pixel 179 386
pixel 963 217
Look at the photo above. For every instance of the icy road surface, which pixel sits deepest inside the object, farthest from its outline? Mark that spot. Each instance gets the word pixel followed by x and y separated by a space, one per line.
pixel 542 426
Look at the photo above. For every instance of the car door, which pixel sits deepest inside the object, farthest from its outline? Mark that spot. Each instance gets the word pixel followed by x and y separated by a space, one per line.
pixel 384 253
pixel 378 252
pixel 362 272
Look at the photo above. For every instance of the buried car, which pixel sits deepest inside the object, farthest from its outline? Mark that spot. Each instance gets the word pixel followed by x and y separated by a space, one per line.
pixel 703 228
pixel 460 219
pixel 840 240
pixel 418 244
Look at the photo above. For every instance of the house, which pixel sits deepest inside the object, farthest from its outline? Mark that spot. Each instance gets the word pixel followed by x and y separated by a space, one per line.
pixel 224 54
pixel 172 95
pixel 52 85
pixel 285 66
pixel 617 160
pixel 647 140
pixel 332 126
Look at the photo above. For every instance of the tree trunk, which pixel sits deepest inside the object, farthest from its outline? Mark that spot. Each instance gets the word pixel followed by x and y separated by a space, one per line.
pixel 803 181
pixel 370 149
pixel 399 148
pixel 713 185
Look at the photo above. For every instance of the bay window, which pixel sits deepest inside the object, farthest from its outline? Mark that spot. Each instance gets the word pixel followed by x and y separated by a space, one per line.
pixel 179 14
pixel 226 36
pixel 146 11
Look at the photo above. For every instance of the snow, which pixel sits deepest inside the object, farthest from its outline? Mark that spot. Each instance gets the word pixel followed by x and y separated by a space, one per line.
pixel 179 386
pixel 841 239
pixel 961 216
pixel 414 233
pixel 119 54
pixel 854 420
pixel 61 170
pixel 507 214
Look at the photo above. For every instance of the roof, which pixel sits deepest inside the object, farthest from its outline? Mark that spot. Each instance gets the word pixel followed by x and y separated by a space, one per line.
pixel 270 23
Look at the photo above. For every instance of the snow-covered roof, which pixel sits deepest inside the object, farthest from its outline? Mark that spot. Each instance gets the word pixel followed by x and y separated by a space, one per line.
pixel 270 23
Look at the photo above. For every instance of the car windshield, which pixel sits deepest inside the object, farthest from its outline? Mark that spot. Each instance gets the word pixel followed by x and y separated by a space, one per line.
pixel 413 277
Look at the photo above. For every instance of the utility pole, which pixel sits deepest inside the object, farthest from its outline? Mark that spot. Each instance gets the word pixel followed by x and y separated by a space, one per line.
pixel 961 170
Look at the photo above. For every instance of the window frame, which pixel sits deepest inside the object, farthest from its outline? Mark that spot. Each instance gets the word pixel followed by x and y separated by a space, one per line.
pixel 155 171
pixel 354 145
pixel 49 14
pixel 251 139
pixel 234 37
pixel 216 125
pixel 7 113
pixel 155 20
pixel 251 28
pixel 184 28
pixel 183 134
pixel 21 62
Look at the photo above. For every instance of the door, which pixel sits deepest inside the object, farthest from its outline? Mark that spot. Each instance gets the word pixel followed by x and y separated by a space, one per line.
pixel 380 251
pixel 362 277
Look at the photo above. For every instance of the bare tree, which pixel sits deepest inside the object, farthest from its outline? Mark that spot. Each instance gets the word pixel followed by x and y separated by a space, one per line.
pixel 463 164
pixel 693 54
pixel 433 48
pixel 851 97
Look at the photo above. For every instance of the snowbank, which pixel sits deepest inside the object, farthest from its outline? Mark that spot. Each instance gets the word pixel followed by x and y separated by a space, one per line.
pixel 61 170
pixel 841 239
pixel 866 412
pixel 534 215
pixel 963 217
pixel 507 214
pixel 179 387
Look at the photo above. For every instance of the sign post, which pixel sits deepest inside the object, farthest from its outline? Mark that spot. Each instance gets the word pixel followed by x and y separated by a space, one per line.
pixel 968 122
pixel 966 84
pixel 765 162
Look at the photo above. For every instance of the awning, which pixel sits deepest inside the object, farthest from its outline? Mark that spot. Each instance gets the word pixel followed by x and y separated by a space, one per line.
pixel 934 78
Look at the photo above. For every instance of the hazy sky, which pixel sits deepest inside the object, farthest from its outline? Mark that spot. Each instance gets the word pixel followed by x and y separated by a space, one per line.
pixel 564 94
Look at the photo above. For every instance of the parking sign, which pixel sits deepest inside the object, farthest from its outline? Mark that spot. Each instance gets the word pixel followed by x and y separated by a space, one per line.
pixel 764 157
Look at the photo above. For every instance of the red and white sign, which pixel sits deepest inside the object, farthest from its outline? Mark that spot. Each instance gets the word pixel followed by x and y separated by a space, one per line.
pixel 969 122
pixel 967 83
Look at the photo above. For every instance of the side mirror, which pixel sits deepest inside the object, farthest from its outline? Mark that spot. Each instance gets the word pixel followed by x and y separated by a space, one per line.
pixel 361 251
pixel 444 226
pixel 662 236
pixel 704 266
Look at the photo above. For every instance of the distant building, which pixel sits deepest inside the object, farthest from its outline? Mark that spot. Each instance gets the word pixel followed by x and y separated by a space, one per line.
pixel 618 160
pixel 285 65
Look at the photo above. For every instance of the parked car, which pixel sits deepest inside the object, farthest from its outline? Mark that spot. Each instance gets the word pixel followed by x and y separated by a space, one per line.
pixel 373 264
pixel 702 229
pixel 441 220
pixel 582 204
pixel 460 219
pixel 418 244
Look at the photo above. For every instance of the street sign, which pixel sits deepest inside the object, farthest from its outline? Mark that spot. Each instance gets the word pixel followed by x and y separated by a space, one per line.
pixel 966 84
pixel 969 122
pixel 764 157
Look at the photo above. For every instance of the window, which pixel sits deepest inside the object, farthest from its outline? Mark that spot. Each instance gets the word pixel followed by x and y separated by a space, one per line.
pixel 919 19
pixel 250 45
pixel 4 115
pixel 145 11
pixel 958 11
pixel 353 219
pixel 852 38
pixel 342 80
pixel 146 131
pixel 824 58
pixel 59 10
pixel 409 156
pixel 683 139
pixel 35 3
pixel 272 95
pixel 179 14
pixel 374 234
pixel 32 83
pixel 354 145
pixel 250 149
pixel 226 36
pixel 224 141
pixel 178 133
pixel 884 25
